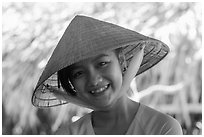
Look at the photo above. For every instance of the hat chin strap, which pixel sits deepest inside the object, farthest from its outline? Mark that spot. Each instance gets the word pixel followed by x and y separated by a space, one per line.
pixel 132 69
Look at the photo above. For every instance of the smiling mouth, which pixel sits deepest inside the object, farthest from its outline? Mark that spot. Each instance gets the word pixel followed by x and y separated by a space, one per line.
pixel 99 90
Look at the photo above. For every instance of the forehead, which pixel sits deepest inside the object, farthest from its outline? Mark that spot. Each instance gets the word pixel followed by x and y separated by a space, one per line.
pixel 108 54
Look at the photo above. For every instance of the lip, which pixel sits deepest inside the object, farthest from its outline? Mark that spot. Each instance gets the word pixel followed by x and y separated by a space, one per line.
pixel 100 90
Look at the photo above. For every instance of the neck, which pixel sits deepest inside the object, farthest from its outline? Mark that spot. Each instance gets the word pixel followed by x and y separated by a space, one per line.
pixel 121 110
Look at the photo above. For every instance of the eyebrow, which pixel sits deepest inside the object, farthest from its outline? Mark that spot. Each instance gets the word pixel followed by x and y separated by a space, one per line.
pixel 101 55
pixel 74 66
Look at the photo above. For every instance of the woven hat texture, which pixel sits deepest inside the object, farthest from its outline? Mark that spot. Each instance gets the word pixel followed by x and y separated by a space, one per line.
pixel 86 37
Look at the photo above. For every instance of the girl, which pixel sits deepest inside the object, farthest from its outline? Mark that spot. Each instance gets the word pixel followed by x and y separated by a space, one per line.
pixel 93 66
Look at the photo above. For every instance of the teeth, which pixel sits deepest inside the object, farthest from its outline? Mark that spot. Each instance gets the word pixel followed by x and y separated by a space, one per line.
pixel 99 90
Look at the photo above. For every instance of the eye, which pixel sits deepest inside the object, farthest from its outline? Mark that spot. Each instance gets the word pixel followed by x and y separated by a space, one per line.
pixel 103 63
pixel 77 74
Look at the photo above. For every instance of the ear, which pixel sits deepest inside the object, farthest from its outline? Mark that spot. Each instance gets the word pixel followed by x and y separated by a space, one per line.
pixel 122 61
pixel 133 67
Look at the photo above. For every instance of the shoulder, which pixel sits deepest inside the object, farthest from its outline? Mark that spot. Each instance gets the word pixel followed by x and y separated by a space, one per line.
pixel 155 122
pixel 77 127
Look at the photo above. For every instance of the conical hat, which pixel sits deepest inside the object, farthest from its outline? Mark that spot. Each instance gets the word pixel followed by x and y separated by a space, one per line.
pixel 86 37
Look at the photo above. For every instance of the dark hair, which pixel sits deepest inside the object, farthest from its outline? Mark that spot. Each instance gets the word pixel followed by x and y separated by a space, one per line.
pixel 64 74
pixel 63 77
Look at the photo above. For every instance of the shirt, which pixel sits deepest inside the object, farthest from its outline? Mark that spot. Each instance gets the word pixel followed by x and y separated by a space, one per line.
pixel 147 121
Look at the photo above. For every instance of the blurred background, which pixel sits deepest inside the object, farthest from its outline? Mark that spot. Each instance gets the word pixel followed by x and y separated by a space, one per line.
pixel 30 32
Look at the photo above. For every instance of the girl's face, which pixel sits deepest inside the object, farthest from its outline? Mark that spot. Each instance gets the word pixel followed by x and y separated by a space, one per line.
pixel 98 80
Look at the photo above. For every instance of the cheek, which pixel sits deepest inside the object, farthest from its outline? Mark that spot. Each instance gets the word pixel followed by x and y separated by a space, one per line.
pixel 79 84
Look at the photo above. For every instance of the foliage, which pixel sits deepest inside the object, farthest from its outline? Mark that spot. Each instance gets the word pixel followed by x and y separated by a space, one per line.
pixel 30 31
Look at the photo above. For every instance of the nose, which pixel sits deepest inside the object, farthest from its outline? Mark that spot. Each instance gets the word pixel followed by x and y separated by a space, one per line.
pixel 94 78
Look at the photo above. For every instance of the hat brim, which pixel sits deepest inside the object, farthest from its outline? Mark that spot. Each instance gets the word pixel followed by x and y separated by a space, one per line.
pixel 86 37
pixel 154 52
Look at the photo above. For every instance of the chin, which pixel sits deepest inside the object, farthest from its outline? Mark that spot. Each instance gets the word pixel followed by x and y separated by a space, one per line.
pixel 104 107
